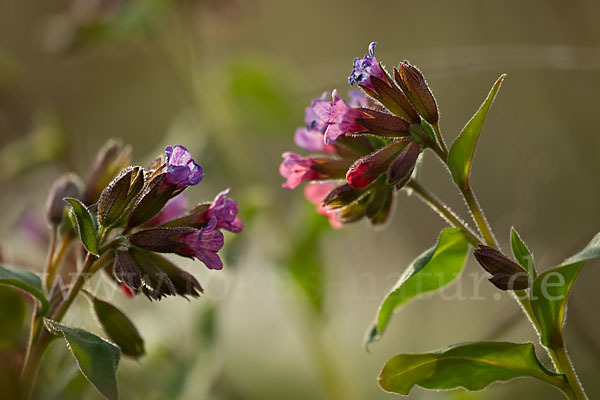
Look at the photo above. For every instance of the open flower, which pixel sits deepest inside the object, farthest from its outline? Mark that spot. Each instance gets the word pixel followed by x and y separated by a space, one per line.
pixel 224 211
pixel 339 117
pixel 203 244
pixel 181 169
pixel 363 68
pixel 297 169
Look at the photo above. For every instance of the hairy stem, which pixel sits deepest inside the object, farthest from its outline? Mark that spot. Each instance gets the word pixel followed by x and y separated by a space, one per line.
pixel 478 216
pixel 440 138
pixel 443 210
pixel 559 353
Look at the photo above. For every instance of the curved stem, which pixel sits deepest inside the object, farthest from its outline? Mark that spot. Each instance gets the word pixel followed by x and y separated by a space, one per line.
pixel 443 210
pixel 53 266
pixel 478 216
pixel 559 352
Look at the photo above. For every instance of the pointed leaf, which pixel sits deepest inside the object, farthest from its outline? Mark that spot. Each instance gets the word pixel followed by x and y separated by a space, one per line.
pixel 118 327
pixel 96 358
pixel 26 281
pixel 551 289
pixel 86 225
pixel 522 253
pixel 463 148
pixel 432 270
pixel 472 366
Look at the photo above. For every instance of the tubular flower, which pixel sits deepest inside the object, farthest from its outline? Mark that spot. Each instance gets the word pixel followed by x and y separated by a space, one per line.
pixel 175 208
pixel 339 117
pixel 297 169
pixel 365 67
pixel 181 169
pixel 203 244
pixel 224 211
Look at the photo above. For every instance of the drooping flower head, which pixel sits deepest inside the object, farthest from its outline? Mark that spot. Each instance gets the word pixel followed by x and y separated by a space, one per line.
pixel 297 169
pixel 181 169
pixel 224 210
pixel 363 68
pixel 203 244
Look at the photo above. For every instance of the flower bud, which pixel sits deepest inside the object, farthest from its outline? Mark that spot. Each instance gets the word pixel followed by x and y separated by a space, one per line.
pixel 354 212
pixel 402 167
pixel 125 271
pixel 384 124
pixel 368 168
pixel 342 196
pixel 394 100
pixel 120 193
pixel 412 82
pixel 152 199
pixel 162 240
pixel 156 283
pixel 507 275
pixel 66 186
pixel 112 158
pixel 183 282
pixel 380 203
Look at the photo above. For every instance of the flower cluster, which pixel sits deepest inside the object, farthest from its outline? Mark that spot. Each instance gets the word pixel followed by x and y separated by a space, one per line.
pixel 141 212
pixel 366 149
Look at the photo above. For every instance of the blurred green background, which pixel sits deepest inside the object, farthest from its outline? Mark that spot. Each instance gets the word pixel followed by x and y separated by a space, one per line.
pixel 230 80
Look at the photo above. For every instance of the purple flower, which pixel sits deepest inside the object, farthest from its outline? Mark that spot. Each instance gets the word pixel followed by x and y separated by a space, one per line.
pixel 224 211
pixel 339 117
pixel 363 68
pixel 297 169
pixel 203 244
pixel 182 171
pixel 311 119
pixel 175 208
pixel 358 99
pixel 312 140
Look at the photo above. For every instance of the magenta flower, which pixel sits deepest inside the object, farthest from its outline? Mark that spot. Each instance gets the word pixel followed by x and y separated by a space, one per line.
pixel 224 211
pixel 364 68
pixel 182 171
pixel 175 208
pixel 203 244
pixel 339 117
pixel 311 119
pixel 315 193
pixel 297 169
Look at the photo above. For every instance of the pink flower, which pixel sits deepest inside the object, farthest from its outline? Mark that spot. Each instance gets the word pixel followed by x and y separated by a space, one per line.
pixel 175 208
pixel 339 117
pixel 315 193
pixel 364 68
pixel 312 140
pixel 225 211
pixel 203 244
pixel 297 169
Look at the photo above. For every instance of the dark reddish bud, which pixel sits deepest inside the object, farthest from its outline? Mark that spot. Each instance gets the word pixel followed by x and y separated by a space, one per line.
pixel 412 82
pixel 331 168
pixel 342 196
pixel 119 195
pixel 162 240
pixel 394 100
pixel 507 275
pixel 66 186
pixel 152 199
pixel 156 282
pixel 125 271
pixel 183 282
pixel 402 167
pixel 384 124
pixel 368 168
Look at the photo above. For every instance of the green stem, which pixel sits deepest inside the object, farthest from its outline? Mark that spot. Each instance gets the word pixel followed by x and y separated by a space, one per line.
pixel 559 353
pixel 478 217
pixel 443 210
pixel 52 268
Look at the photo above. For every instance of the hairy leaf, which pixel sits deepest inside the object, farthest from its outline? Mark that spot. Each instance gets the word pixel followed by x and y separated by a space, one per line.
pixel 432 270
pixel 472 366
pixel 463 148
pixel 96 358
pixel 86 225
pixel 26 281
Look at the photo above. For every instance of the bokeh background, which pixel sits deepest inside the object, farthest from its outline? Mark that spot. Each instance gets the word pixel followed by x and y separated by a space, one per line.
pixel 230 80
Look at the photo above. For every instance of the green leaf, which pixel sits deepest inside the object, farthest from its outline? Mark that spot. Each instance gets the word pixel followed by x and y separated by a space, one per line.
pixel 522 253
pixel 551 289
pixel 118 327
pixel 96 358
pixel 27 281
pixel 86 225
pixel 432 270
pixel 463 148
pixel 472 366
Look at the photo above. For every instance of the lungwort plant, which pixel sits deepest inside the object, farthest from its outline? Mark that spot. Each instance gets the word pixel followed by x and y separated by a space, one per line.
pixel 120 222
pixel 366 150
